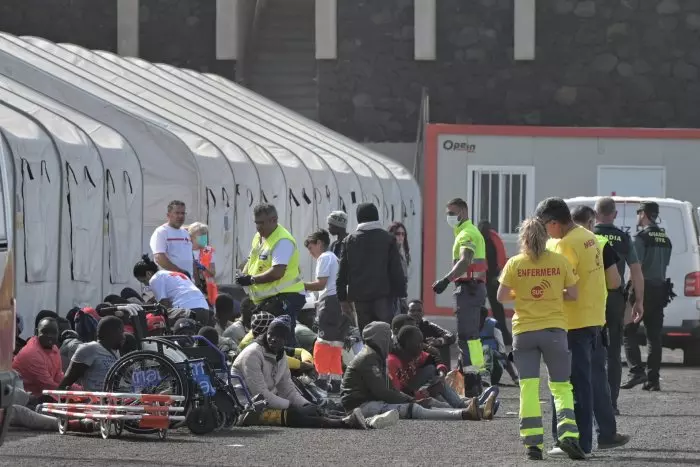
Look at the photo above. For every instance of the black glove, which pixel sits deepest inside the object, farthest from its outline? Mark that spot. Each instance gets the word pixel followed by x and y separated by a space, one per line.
pixel 440 286
pixel 244 280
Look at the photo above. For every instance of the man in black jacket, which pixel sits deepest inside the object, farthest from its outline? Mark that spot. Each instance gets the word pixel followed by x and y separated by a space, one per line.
pixel 370 273
pixel 434 335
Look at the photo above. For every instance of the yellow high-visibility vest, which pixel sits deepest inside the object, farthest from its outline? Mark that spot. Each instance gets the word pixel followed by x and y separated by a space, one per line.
pixel 260 260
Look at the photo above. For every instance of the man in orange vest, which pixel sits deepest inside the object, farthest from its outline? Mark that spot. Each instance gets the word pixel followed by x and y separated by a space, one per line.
pixel 204 260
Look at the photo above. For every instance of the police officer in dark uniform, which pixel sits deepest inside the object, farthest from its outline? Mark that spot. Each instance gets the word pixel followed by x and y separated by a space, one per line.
pixel 621 242
pixel 653 249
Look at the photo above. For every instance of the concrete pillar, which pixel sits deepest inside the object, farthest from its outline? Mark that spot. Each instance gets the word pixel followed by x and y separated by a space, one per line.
pixel 228 38
pixel 524 30
pixel 424 29
pixel 128 28
pixel 326 29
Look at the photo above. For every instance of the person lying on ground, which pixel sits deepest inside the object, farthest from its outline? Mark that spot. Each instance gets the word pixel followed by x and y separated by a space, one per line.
pixel 263 367
pixel 227 319
pixel 39 362
pixel 434 335
pixel 495 355
pixel 92 361
pixel 365 386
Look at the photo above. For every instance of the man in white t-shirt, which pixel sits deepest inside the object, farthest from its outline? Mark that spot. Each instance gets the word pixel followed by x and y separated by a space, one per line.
pixel 171 244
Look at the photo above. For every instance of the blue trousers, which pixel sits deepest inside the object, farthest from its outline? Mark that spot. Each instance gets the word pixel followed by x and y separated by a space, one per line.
pixel 582 343
pixel 602 401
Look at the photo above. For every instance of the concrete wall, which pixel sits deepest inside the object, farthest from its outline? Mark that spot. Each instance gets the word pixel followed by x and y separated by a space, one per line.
pixel 597 63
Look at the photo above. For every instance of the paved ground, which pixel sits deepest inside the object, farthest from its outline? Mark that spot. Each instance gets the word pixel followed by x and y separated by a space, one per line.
pixel 664 427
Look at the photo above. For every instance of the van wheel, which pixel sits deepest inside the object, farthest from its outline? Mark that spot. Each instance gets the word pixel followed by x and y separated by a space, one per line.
pixel 691 354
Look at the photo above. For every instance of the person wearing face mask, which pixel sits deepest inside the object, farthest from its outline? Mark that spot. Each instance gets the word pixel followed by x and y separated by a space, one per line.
pixel 469 275
pixel 204 260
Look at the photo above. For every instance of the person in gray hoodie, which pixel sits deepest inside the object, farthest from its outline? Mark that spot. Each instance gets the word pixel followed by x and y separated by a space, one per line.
pixel 263 366
pixel 366 386
pixel 370 274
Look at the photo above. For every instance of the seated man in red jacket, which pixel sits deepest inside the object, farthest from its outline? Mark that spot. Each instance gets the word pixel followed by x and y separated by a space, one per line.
pixel 417 373
pixel 39 361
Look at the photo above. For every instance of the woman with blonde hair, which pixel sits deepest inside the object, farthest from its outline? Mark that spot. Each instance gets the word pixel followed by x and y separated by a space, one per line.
pixel 204 261
pixel 539 281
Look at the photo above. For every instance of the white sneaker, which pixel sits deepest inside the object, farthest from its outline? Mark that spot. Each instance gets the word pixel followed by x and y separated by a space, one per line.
pixel 383 420
pixel 356 420
pixel 556 452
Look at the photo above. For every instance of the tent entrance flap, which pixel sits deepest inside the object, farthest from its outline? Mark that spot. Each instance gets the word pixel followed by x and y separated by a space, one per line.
pixel 120 225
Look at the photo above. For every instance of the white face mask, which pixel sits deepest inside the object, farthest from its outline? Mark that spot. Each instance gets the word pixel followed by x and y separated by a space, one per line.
pixel 453 221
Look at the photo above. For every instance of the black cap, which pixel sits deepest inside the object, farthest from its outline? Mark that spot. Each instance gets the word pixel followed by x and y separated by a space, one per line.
pixel 649 207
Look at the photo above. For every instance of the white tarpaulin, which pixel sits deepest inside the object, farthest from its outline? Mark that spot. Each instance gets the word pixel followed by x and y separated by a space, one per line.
pixel 38 213
pixel 82 212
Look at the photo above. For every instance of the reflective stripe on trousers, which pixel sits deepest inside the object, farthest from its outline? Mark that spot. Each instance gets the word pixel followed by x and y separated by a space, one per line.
pixel 469 298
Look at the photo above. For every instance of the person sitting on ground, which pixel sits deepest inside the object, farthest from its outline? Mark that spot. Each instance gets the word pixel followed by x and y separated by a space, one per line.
pixel 299 360
pixel 173 290
pixel 263 367
pixel 224 344
pixel 19 342
pixel 128 293
pixel 416 373
pixel 306 337
pixel 92 361
pixel 39 362
pixel 365 386
pixel 495 355
pixel 434 335
pixel 70 341
pixel 247 311
pixel 401 321
pixel 227 323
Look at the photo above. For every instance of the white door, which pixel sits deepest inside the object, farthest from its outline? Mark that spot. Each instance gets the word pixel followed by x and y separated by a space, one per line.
pixel 632 181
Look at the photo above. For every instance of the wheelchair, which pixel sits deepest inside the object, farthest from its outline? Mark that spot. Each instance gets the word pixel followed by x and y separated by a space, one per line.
pixel 214 398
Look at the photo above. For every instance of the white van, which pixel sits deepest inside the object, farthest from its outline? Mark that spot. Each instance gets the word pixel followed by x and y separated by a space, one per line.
pixel 680 220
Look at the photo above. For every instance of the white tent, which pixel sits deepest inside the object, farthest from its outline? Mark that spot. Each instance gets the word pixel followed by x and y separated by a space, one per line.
pixel 215 171
pixel 311 171
pixel 38 176
pixel 168 163
pixel 82 212
pixel 406 209
pixel 123 190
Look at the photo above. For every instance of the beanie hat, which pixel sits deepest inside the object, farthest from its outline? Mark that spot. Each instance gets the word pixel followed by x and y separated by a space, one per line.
pixel 367 212
pixel 260 322
pixel 283 322
pixel 338 219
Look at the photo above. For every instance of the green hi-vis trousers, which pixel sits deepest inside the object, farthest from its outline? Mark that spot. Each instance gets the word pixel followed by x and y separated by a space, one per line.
pixel 528 348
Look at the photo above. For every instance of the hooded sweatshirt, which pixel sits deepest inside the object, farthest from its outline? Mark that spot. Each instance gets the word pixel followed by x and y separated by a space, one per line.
pixel 267 374
pixel 370 266
pixel 366 379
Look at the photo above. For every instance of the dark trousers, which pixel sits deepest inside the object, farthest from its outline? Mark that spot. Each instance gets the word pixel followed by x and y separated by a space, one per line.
pixel 381 309
pixel 614 316
pixel 497 310
pixel 655 297
pixel 286 304
pixel 581 345
pixel 602 404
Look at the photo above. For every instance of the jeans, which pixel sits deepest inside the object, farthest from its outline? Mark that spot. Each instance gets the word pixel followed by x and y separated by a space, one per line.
pixel 581 345
pixel 428 374
pixel 410 411
pixel 614 316
pixel 655 296
pixel 602 404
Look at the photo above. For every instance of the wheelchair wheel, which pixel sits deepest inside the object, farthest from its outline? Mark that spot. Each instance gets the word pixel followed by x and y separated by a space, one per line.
pixel 62 425
pixel 202 420
pixel 118 428
pixel 146 372
pixel 105 428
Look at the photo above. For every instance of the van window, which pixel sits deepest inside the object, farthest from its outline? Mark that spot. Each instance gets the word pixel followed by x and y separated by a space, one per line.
pixel 670 219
